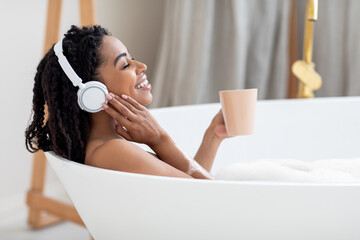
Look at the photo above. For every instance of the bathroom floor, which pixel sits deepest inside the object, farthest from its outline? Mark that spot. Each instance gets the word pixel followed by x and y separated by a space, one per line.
pixel 13 226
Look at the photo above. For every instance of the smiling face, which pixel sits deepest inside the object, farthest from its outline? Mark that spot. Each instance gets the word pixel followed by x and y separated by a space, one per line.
pixel 121 73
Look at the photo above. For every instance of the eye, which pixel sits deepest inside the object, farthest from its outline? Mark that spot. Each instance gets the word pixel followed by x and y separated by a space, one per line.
pixel 126 66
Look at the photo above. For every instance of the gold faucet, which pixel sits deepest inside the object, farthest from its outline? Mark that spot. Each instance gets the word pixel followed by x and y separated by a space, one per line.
pixel 304 69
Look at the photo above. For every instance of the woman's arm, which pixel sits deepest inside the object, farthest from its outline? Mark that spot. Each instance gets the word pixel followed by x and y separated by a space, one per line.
pixel 170 153
pixel 213 136
pixel 205 156
pixel 135 123
pixel 121 155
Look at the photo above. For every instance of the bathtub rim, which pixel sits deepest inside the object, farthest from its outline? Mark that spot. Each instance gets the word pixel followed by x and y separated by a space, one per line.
pixel 266 101
pixel 203 181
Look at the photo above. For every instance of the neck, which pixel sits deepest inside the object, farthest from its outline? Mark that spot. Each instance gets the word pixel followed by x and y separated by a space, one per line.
pixel 103 126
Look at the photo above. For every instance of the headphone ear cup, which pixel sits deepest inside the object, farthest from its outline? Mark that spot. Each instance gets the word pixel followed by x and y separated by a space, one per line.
pixel 92 96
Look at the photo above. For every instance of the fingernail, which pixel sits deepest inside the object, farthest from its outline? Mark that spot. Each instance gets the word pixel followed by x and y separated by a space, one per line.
pixel 105 106
pixel 113 95
pixel 109 97
pixel 124 96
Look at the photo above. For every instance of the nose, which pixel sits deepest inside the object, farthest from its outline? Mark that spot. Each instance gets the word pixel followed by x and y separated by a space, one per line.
pixel 140 67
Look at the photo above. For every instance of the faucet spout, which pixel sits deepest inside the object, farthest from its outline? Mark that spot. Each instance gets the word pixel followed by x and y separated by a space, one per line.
pixel 310 17
pixel 312 10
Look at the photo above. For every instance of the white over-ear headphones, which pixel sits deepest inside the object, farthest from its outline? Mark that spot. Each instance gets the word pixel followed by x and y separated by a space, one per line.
pixel 91 95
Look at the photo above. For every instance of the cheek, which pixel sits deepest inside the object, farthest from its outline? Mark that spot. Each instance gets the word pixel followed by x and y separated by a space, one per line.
pixel 143 98
pixel 121 84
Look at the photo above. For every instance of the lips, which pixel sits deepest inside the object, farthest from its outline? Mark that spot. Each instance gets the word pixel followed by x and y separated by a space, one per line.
pixel 142 82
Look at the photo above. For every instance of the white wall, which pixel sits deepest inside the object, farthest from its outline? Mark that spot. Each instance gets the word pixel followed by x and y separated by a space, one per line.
pixel 137 23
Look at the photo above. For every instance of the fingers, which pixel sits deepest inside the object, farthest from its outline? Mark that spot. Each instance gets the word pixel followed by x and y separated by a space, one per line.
pixel 120 105
pixel 132 101
pixel 221 114
pixel 127 104
pixel 121 122
pixel 122 131
pixel 119 119
pixel 126 112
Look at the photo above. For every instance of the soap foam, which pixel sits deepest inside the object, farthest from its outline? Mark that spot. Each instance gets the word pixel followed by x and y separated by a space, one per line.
pixel 293 170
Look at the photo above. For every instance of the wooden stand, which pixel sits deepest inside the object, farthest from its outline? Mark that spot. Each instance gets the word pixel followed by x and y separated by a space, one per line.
pixel 44 211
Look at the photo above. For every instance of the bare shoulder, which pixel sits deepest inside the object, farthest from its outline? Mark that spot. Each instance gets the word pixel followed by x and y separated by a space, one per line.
pixel 116 153
pixel 122 155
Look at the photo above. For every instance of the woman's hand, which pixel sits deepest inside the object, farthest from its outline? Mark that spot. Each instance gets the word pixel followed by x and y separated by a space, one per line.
pixel 133 121
pixel 218 126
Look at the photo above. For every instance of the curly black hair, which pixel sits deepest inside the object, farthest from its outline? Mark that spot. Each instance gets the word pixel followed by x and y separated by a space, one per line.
pixel 66 128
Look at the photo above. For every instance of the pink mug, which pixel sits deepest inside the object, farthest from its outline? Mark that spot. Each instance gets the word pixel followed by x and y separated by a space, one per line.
pixel 238 107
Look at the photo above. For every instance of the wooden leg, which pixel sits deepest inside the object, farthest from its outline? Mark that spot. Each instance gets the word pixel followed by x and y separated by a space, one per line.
pixel 35 218
pixel 52 23
pixel 87 12
pixel 37 186
pixel 45 220
pixel 58 211
pixel 44 211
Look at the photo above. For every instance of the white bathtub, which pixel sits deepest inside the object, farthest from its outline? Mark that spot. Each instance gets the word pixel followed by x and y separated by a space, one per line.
pixel 119 205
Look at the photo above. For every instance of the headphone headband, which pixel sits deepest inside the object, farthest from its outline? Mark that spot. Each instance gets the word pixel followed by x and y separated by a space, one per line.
pixel 65 65
pixel 91 94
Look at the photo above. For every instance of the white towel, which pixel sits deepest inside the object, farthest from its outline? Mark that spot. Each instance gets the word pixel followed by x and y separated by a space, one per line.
pixel 327 170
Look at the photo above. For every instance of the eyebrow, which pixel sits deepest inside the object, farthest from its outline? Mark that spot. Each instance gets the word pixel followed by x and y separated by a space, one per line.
pixel 118 58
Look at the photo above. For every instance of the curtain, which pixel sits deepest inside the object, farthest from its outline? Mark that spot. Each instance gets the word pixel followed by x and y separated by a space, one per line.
pixel 336 47
pixel 210 45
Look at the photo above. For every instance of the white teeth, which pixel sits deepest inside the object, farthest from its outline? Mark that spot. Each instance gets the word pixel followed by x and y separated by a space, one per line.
pixel 144 83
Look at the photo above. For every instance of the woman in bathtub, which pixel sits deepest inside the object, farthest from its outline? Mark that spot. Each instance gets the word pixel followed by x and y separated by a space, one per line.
pixel 103 139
